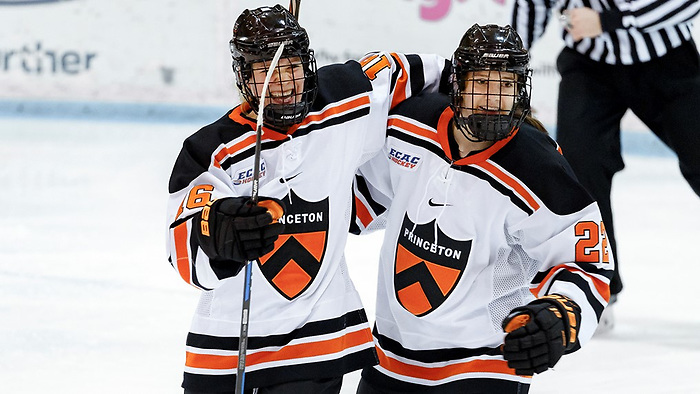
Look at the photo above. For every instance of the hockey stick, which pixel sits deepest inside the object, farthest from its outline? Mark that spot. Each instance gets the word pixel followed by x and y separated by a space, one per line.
pixel 294 8
pixel 245 309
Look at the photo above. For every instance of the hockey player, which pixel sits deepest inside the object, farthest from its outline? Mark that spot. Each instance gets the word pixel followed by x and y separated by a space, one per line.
pixel 487 232
pixel 307 325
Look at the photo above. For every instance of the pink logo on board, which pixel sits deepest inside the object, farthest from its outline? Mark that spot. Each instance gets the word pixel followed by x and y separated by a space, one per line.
pixel 434 10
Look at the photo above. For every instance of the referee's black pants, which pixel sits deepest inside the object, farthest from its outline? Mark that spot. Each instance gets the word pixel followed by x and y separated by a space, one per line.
pixel 664 93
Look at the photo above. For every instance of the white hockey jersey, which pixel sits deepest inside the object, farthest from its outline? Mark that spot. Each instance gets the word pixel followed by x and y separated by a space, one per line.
pixel 306 318
pixel 467 241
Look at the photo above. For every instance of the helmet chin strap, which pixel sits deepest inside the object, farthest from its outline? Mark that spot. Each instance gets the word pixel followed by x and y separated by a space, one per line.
pixel 285 115
pixel 489 127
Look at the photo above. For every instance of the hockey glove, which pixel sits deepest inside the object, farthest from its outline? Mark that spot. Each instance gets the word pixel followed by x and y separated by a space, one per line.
pixel 232 231
pixel 540 332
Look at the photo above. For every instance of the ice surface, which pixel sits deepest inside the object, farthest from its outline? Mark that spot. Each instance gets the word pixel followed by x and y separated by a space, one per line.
pixel 89 303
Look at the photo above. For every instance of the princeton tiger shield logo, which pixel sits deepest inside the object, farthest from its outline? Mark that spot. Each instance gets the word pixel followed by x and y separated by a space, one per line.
pixel 294 263
pixel 425 272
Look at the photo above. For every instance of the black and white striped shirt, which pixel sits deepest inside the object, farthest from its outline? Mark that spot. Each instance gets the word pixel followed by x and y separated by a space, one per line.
pixel 634 31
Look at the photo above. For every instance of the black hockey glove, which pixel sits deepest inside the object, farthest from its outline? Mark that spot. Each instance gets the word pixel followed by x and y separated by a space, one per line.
pixel 540 332
pixel 232 231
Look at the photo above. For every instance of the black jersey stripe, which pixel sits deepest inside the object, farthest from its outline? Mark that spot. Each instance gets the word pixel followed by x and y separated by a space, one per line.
pixel 578 281
pixel 311 329
pixel 433 355
pixel 417 73
pixel 586 267
pixel 248 152
pixel 354 227
pixel 267 145
pixel 395 75
pixel 194 246
pixel 356 113
pixel 363 188
pixel 514 198
pixel 413 140
pixel 468 385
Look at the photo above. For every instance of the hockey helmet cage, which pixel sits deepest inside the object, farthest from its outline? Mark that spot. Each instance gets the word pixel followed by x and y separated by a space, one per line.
pixel 257 34
pixel 498 49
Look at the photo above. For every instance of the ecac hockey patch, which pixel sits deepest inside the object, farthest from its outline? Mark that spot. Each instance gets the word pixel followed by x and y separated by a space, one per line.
pixel 244 176
pixel 405 160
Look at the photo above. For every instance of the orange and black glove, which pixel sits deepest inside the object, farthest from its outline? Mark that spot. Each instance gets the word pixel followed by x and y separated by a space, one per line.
pixel 540 332
pixel 233 230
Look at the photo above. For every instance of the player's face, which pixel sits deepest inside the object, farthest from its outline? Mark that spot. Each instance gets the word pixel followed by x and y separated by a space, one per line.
pixel 489 92
pixel 286 83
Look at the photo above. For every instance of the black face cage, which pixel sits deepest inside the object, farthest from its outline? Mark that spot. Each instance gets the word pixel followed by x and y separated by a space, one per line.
pixel 476 100
pixel 295 105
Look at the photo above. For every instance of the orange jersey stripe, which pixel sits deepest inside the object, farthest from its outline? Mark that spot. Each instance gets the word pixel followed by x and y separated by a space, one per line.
pixel 477 158
pixel 602 288
pixel 368 59
pixel 362 212
pixel 401 83
pixel 440 373
pixel 273 135
pixel 237 116
pixel 517 187
pixel 181 208
pixel 226 151
pixel 412 128
pixel 183 258
pixel 290 352
pixel 328 112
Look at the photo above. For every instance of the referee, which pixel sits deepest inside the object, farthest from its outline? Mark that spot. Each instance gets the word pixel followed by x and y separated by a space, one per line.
pixel 620 55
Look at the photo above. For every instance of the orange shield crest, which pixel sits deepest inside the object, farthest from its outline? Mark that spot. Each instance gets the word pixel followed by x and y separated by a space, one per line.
pixel 425 272
pixel 296 260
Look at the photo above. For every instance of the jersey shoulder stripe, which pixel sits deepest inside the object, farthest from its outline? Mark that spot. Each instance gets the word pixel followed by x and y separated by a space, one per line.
pixel 196 154
pixel 244 147
pixel 500 186
pixel 509 182
pixel 411 127
pixel 531 153
pixel 420 120
pixel 411 139
pixel 335 113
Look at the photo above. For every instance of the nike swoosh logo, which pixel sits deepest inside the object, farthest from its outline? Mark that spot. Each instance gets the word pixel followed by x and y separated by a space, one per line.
pixel 433 204
pixel 283 180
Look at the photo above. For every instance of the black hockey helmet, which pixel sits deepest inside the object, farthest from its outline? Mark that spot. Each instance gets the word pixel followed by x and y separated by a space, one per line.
pixel 490 48
pixel 257 34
